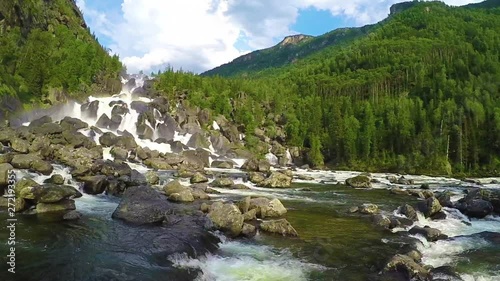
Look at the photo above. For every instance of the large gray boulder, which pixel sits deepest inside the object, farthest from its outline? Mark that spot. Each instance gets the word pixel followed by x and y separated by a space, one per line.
pixel 94 184
pixel 142 205
pixel 431 234
pixel 429 207
pixel 226 217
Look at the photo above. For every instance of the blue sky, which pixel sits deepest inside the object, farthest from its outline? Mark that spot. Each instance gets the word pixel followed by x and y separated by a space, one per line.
pixel 198 35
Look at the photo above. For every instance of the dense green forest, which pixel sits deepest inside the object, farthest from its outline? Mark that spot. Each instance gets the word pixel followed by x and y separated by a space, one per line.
pixel 419 93
pixel 47 53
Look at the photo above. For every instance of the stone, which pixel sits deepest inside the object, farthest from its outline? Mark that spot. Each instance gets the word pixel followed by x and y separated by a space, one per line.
pixel 368 209
pixel 119 153
pixel 429 207
pixel 142 205
pixel 226 217
pixel 256 178
pixel 174 187
pixel 248 230
pixel 476 208
pixel 42 167
pixel 5 168
pixel 73 124
pixel 56 193
pixel 198 178
pixel 281 226
pixel 152 177
pixel 20 205
pixel 55 179
pixel 222 164
pixel 62 206
pixel 23 161
pixel 431 234
pixel 408 267
pixel 94 184
pixel 240 187
pixel 27 189
pixel 199 194
pixel 381 221
pixel 404 181
pixel 275 209
pixel 256 165
pixel 409 212
pixel 244 204
pixel 158 164
pixel 222 183
pixel 20 145
pixel 250 215
pixel 277 180
pixel 40 121
pixel 359 182
pixel 399 191
pixel 205 207
pixel 182 196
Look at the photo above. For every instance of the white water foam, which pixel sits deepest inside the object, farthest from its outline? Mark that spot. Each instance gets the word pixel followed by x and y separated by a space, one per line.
pixel 246 262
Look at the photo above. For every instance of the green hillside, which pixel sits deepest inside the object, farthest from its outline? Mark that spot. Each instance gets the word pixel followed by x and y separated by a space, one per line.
pixel 48 54
pixel 419 92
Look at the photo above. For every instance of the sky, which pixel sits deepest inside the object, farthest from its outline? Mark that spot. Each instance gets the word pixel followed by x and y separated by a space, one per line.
pixel 198 35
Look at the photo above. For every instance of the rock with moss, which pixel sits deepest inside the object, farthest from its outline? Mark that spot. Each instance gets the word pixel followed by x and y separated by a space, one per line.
pixel 222 164
pixel 277 180
pixel 198 178
pixel 360 181
pixel 20 145
pixel 222 182
pixel 256 178
pixel 5 168
pixel 59 207
pixel 368 209
pixel 152 177
pixel 226 217
pixel 248 230
pixel 256 165
pixel 56 193
pixel 42 167
pixel 429 207
pixel 157 163
pixel 55 179
pixel 281 226
pixel 182 196
pixel 408 267
pixel 174 187
pixel 431 234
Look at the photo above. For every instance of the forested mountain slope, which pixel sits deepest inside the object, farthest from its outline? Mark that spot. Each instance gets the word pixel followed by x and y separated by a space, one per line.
pixel 418 93
pixel 47 54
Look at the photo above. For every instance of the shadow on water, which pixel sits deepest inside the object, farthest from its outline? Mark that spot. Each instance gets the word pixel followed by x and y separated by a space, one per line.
pixel 93 248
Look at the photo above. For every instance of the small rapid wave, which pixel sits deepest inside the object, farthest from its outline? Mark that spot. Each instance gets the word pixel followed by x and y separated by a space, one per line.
pixel 247 262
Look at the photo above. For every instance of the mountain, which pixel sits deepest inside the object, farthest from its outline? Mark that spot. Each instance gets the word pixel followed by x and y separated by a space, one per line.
pixel 288 51
pixel 417 92
pixel 47 55
pixel 275 57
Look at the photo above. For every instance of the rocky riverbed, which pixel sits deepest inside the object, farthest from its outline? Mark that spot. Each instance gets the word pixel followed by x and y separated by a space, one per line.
pixel 121 188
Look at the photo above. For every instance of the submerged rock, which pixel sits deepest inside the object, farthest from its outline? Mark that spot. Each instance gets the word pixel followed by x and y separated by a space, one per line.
pixel 281 226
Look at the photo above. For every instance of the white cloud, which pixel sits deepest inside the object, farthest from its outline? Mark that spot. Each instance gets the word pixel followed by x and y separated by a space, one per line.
pixel 200 34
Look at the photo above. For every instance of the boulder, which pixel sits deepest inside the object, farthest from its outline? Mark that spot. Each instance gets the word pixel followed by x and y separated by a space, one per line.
pixel 222 164
pixel 108 139
pixel 381 221
pixel 199 194
pixel 476 208
pixel 399 191
pixel 248 230
pixel 73 124
pixel 429 207
pixel 444 199
pixel 409 212
pixel 20 145
pixel 222 183
pixel 89 110
pixel 226 217
pixel 48 129
pixel 368 209
pixel 263 206
pixel 5 168
pixel 281 226
pixel 404 181
pixel 55 193
pixel 6 158
pixel 256 177
pixel 431 234
pixel 198 140
pixel 119 153
pixel 111 168
pixel 174 187
pixel 152 177
pixel 250 215
pixel 408 268
pixel 493 196
pixel 275 209
pixel 158 164
pixel 205 207
pixel 59 207
pixel 40 121
pixel 142 205
pixel 42 167
pixel 182 196
pixel 277 180
pixel 23 161
pixel 198 178
pixel 27 189
pixel 359 182
pixel 94 184
pixel 197 159
pixel 55 179
pixel 256 165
